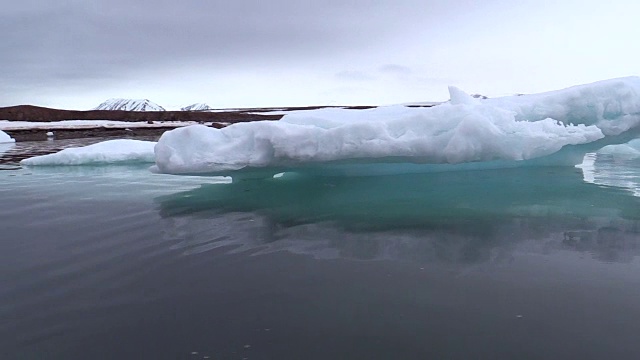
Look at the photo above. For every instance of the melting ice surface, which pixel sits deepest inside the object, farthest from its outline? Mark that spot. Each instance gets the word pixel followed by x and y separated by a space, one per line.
pixel 553 128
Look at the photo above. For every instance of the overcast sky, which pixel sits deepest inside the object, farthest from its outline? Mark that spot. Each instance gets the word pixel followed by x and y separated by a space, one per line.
pixel 243 53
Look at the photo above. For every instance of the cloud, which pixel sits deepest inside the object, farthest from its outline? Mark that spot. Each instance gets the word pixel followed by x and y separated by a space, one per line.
pixel 76 49
pixel 108 36
pixel 354 75
pixel 102 42
pixel 395 69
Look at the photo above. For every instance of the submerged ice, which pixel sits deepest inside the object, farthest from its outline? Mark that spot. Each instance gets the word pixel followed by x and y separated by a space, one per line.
pixel 568 122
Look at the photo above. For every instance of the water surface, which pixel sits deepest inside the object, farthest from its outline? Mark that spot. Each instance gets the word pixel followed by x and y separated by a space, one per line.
pixel 114 262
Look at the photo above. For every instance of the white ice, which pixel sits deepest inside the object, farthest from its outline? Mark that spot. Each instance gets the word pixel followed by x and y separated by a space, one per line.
pixel 463 130
pixel 106 152
pixel 89 124
pixel 5 138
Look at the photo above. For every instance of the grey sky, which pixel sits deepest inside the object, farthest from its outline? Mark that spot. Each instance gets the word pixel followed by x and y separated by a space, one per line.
pixel 76 53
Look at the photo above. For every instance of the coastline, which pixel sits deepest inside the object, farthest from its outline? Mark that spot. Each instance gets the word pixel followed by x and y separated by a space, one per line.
pixel 40 134
pixel 217 118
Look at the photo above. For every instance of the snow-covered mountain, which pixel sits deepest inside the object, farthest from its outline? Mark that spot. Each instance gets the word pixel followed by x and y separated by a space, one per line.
pixel 129 105
pixel 196 107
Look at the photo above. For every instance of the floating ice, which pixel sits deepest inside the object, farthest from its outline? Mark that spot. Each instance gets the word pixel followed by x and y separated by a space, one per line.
pixel 630 149
pixel 106 152
pixel 5 138
pixel 465 130
pixel 614 166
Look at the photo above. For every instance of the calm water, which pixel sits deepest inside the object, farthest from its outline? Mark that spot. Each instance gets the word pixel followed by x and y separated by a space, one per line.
pixel 114 262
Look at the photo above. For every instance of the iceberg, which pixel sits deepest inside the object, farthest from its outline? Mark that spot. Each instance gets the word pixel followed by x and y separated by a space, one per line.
pixel 106 152
pixel 5 138
pixel 552 128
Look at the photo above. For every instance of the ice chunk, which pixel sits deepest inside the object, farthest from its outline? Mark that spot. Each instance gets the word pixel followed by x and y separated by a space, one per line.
pixel 111 151
pixel 630 149
pixel 465 130
pixel 5 138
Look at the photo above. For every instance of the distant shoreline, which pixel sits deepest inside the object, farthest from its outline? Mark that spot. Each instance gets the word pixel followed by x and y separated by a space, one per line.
pixel 29 113
pixel 217 118
pixel 41 134
pixel 42 114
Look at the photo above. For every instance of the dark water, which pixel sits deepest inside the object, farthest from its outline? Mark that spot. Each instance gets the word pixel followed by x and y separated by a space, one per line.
pixel 114 262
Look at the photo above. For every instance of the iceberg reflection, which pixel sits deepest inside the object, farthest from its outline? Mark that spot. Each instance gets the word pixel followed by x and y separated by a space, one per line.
pixel 455 217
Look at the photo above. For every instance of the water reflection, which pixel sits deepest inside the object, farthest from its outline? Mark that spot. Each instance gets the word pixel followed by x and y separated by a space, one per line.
pixel 462 217
pixel 620 170
pixel 4 148
pixel 608 243
pixel 242 232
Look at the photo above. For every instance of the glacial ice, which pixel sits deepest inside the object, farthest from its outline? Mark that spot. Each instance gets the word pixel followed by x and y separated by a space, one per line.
pixel 556 127
pixel 106 152
pixel 5 138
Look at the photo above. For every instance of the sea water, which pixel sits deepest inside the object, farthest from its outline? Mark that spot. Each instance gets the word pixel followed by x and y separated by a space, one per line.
pixel 116 262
